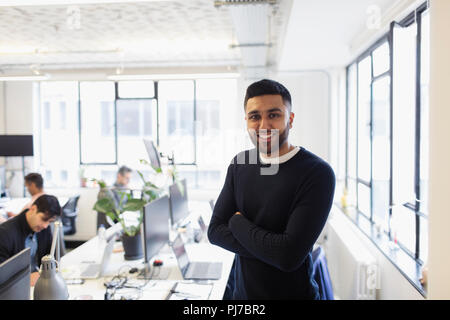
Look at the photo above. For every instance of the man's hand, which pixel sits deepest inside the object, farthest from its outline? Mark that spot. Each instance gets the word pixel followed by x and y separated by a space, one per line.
pixel 33 278
pixel 238 213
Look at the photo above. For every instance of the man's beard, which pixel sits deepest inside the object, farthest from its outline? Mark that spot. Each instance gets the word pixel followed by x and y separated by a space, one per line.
pixel 272 147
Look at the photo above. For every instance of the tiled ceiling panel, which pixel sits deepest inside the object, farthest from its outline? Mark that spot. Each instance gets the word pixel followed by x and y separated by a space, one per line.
pixel 146 33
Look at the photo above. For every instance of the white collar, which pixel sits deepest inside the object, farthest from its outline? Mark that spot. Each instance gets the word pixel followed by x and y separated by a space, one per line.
pixel 277 160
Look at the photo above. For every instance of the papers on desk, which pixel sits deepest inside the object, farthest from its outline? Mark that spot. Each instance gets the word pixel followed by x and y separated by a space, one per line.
pixel 190 291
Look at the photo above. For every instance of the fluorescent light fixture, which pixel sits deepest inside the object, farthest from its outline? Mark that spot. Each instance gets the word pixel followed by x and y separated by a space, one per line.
pixel 118 77
pixel 25 78
pixel 19 3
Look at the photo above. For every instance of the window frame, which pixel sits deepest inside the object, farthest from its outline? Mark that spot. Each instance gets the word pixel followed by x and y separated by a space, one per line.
pixel 413 272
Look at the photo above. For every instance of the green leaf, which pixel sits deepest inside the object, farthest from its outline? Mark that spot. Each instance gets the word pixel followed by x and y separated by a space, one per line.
pixel 133 205
pixel 131 231
pixel 152 194
pixel 142 176
pixel 150 185
pixel 104 205
pixel 157 169
pixel 101 183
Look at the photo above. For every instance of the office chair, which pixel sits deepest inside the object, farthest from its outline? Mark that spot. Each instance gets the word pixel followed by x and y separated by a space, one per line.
pixel 69 215
pixel 321 274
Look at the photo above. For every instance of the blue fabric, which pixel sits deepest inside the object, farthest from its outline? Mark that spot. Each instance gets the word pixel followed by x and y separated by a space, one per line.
pixel 31 242
pixel 321 275
pixel 228 295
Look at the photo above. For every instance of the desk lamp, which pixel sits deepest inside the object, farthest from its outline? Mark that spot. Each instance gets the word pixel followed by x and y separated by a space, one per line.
pixel 51 285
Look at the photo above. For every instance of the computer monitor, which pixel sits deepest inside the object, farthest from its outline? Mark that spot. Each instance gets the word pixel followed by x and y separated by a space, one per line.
pixel 16 145
pixel 152 153
pixel 178 202
pixel 156 226
pixel 15 277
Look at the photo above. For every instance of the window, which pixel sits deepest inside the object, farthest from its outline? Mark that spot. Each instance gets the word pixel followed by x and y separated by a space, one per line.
pixel 59 142
pixel 136 120
pixel 387 139
pixel 62 115
pixel 176 102
pixel 351 134
pixel 47 121
pixel 97 123
pixel 381 146
pixel 101 125
pixel 136 89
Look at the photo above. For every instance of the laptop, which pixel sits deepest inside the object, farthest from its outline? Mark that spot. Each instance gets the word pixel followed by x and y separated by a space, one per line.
pixel 94 271
pixel 203 229
pixel 195 270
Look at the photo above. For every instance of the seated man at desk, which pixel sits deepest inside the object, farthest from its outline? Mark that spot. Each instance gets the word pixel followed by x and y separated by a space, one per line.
pixel 121 185
pixel 35 186
pixel 29 229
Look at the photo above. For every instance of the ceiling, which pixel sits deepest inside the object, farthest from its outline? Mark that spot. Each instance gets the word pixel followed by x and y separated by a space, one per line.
pixel 121 36
pixel 125 35
pixel 320 32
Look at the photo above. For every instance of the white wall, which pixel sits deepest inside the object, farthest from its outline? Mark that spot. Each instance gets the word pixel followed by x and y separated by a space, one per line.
pixel 16 109
pixel 19 107
pixel 2 108
pixel 2 114
pixel 311 104
pixel 439 215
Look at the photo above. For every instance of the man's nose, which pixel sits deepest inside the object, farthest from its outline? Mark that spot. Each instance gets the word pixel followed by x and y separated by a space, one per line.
pixel 264 124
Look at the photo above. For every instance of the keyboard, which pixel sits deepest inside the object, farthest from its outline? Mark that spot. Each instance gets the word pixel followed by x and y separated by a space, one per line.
pixel 201 267
pixel 91 271
pixel 203 270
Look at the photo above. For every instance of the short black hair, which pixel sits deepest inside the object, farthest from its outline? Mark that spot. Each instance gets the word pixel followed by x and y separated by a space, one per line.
pixel 266 86
pixel 123 170
pixel 48 205
pixel 35 178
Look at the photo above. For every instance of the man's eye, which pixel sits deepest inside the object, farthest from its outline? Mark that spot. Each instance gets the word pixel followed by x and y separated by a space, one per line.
pixel 274 115
pixel 254 117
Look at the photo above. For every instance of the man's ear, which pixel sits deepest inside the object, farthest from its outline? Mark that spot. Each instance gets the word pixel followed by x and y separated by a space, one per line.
pixel 291 119
pixel 33 209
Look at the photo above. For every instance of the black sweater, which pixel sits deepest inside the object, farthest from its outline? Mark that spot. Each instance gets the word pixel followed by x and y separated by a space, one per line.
pixel 282 217
pixel 13 234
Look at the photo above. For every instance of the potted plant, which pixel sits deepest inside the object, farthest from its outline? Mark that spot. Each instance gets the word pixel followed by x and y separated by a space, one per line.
pixel 83 179
pixel 131 237
pixel 106 203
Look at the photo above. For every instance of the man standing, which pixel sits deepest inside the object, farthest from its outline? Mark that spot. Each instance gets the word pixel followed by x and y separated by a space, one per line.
pixel 35 186
pixel 272 218
pixel 29 230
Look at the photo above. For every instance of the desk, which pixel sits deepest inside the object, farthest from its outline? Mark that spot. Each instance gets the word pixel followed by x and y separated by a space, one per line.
pixel 16 204
pixel 91 250
pixel 155 289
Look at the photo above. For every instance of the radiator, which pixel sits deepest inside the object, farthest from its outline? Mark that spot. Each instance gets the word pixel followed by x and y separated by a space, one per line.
pixel 354 271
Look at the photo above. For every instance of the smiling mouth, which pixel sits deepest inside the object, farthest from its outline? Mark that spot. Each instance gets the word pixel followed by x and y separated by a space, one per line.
pixel 265 137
